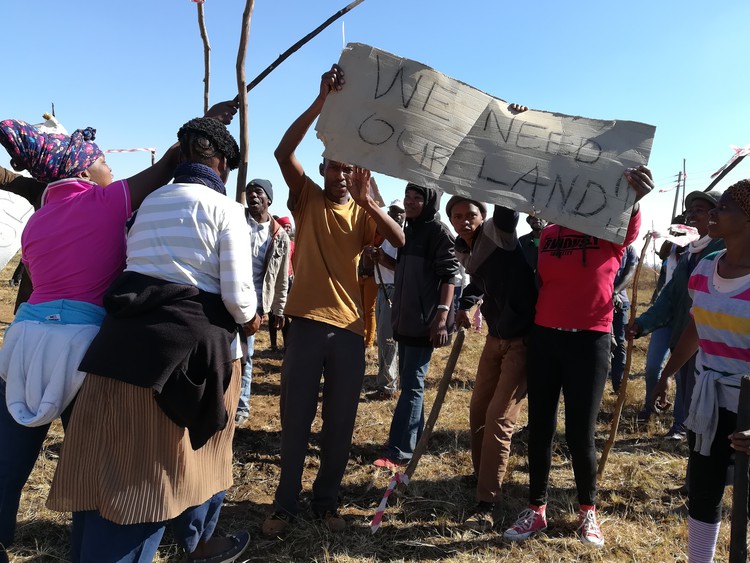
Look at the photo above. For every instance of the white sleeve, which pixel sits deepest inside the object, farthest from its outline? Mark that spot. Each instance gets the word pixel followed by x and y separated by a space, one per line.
pixel 236 267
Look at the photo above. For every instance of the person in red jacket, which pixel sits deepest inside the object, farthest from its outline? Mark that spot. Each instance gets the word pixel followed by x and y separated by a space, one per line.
pixel 569 351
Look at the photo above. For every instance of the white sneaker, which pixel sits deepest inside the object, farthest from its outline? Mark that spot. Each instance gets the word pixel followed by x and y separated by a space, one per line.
pixel 529 522
pixel 590 531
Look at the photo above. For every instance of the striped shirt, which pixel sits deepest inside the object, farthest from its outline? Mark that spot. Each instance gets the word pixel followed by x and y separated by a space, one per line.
pixel 190 234
pixel 723 323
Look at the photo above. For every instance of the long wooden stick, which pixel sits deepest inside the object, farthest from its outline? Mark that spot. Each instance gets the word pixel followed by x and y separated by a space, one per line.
pixel 286 54
pixel 380 282
pixel 628 358
pixel 738 541
pixel 724 172
pixel 206 57
pixel 242 96
pixel 445 381
pixel 401 481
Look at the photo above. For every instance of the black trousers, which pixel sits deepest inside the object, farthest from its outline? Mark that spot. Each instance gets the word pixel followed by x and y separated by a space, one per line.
pixel 576 363
pixel 707 475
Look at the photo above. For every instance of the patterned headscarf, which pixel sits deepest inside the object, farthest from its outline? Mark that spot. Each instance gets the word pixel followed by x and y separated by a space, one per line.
pixel 740 193
pixel 48 157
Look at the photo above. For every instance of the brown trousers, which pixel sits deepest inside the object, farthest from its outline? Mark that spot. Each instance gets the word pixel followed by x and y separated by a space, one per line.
pixel 498 395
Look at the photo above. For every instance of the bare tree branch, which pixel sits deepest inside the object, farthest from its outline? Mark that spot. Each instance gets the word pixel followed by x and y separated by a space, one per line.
pixel 242 97
pixel 206 57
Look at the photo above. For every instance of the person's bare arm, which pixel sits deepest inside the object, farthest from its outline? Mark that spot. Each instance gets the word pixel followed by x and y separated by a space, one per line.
pixel 156 176
pixel 378 255
pixel 686 346
pixel 291 168
pixel 27 188
pixel 24 289
pixel 627 276
pixel 439 328
pixel 153 177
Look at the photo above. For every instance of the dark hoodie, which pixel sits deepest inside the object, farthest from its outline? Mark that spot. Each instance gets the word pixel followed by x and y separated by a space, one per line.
pixel 500 276
pixel 425 262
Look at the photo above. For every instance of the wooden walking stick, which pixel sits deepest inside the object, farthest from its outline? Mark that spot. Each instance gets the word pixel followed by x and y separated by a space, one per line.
pixel 628 358
pixel 738 541
pixel 421 447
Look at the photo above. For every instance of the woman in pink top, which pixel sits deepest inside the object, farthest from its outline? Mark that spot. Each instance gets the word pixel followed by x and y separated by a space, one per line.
pixel 73 248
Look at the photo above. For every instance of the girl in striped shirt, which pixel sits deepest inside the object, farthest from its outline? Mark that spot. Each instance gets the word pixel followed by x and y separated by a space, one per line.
pixel 719 329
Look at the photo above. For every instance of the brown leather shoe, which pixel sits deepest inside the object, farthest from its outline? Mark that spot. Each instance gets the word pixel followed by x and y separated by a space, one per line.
pixel 333 521
pixel 275 524
pixel 481 519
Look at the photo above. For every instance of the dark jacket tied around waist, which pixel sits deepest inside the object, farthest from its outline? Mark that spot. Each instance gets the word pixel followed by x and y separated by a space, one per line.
pixel 173 338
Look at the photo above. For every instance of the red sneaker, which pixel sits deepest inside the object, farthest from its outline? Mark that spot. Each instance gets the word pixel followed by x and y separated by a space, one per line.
pixel 530 521
pixel 589 528
pixel 388 463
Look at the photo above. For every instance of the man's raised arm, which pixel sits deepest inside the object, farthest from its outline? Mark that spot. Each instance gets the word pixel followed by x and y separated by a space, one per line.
pixel 291 168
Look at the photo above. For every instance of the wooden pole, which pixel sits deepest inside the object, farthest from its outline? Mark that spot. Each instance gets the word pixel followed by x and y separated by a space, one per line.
pixel 206 57
pixel 286 54
pixel 684 182
pixel 628 358
pixel 242 97
pixel 676 196
pixel 724 172
pixel 738 541
pixel 399 482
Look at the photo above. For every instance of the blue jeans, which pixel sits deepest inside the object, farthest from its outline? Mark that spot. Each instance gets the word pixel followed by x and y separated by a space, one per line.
pixel 243 408
pixel 19 448
pixel 96 540
pixel 656 357
pixel 408 418
pixel 685 381
pixel 619 320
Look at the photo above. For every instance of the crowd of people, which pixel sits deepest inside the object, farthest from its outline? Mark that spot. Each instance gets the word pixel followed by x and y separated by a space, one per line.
pixel 145 296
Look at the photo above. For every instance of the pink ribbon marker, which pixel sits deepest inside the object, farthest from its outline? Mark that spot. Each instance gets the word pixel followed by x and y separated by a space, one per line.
pixel 681 235
pixel 395 480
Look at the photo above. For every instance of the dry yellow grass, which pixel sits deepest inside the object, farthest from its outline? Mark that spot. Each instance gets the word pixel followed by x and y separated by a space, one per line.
pixel 641 519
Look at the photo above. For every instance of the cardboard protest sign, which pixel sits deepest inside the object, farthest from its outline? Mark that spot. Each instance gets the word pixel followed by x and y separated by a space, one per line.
pixel 14 213
pixel 401 118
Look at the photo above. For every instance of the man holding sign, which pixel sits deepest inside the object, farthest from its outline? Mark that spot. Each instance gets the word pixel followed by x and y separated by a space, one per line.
pixel 334 225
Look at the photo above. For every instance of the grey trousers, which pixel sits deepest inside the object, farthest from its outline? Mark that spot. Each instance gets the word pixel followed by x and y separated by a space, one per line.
pixel 387 378
pixel 316 349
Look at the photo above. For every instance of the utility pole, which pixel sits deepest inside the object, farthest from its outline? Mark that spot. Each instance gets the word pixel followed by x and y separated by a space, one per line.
pixel 684 182
pixel 676 196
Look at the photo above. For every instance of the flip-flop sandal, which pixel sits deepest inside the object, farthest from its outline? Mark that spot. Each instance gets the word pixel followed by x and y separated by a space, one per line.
pixel 240 542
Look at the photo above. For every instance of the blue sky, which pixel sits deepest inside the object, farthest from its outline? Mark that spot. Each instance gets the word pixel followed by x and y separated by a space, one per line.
pixel 134 69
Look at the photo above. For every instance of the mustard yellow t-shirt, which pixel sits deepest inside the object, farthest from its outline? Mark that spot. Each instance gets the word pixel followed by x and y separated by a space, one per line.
pixel 329 239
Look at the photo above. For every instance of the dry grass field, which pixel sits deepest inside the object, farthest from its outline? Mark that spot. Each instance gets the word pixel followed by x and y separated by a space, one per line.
pixel 642 519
